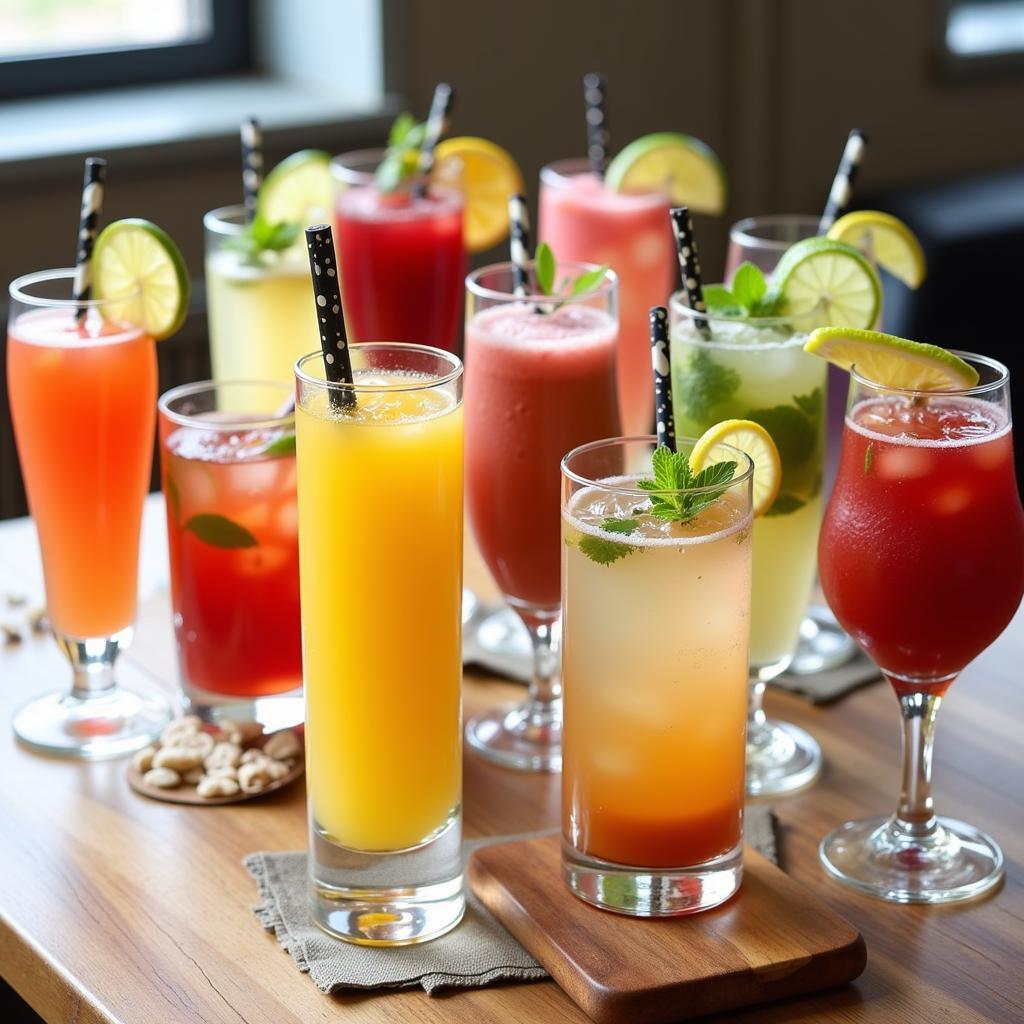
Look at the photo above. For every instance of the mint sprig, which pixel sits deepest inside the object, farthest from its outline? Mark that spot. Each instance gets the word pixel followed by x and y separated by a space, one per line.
pixel 260 236
pixel 402 158
pixel 681 499
pixel 544 269
pixel 748 296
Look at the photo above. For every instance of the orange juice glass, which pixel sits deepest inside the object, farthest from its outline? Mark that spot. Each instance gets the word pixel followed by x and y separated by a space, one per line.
pixel 655 633
pixel 82 388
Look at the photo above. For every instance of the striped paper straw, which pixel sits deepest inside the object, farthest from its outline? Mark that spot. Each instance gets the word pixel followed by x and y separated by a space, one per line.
pixel 330 316
pixel 440 108
pixel 842 184
pixel 689 264
pixel 595 89
pixel 662 366
pixel 92 207
pixel 519 243
pixel 252 164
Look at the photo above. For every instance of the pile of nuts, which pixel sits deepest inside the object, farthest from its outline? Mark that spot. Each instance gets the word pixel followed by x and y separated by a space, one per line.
pixel 221 764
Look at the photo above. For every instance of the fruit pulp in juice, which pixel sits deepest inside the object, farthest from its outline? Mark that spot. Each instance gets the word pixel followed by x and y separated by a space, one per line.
pixel 380 543
pixel 922 549
pixel 232 528
pixel 83 402
pixel 582 220
pixel 655 683
pixel 403 265
pixel 537 385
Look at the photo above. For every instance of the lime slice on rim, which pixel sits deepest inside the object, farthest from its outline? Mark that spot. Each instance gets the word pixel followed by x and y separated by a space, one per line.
pixel 682 167
pixel 755 441
pixel 886 240
pixel 298 190
pixel 825 283
pixel 135 259
pixel 893 362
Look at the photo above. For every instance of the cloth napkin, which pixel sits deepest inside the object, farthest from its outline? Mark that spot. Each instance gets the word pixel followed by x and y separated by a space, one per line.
pixel 476 953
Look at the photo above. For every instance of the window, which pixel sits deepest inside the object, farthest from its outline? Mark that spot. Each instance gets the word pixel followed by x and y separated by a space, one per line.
pixel 982 36
pixel 50 46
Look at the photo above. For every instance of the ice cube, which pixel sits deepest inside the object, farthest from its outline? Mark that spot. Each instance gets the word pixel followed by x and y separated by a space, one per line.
pixel 952 500
pixel 904 463
pixel 649 250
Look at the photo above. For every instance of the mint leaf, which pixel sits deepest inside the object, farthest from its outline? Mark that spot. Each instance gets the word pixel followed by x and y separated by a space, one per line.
pixel 220 532
pixel 544 268
pixel 260 236
pixel 810 405
pixel 720 300
pixel 284 445
pixel 748 285
pixel 173 497
pixel 400 128
pixel 402 158
pixel 869 456
pixel 700 384
pixel 589 281
pixel 620 525
pixel 792 431
pixel 602 551
pixel 770 305
pixel 716 473
pixel 784 504
pixel 672 473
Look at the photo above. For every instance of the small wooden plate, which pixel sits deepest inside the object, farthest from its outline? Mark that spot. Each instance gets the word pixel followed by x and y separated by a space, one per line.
pixel 186 794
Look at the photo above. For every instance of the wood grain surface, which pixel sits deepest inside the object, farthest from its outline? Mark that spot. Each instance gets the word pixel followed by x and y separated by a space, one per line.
pixel 117 908
pixel 773 939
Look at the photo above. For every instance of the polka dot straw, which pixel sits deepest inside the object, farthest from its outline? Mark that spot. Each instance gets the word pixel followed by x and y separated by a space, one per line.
pixel 252 164
pixel 92 207
pixel 519 243
pixel 595 90
pixel 330 317
pixel 689 264
pixel 662 366
pixel 842 185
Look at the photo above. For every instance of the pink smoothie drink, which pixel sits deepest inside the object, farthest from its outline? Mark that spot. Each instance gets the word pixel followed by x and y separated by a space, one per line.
pixel 537 385
pixel 582 220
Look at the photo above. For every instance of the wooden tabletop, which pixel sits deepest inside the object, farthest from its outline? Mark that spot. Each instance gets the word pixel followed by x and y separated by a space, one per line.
pixel 116 908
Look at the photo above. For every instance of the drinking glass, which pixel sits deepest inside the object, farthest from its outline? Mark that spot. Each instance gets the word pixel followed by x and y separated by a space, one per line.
pixel 400 254
pixel 584 221
pixel 228 467
pixel 756 369
pixel 82 387
pixel 922 560
pixel 823 643
pixel 380 553
pixel 541 380
pixel 656 627
pixel 261 318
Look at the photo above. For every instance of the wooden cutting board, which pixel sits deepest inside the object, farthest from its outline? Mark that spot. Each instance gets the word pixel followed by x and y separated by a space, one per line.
pixel 773 939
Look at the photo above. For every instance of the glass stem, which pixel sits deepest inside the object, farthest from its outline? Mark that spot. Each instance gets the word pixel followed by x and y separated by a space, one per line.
pixel 915 816
pixel 92 662
pixel 756 716
pixel 546 684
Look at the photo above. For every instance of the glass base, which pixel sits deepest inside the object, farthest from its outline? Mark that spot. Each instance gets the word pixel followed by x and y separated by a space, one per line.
pixel 781 758
pixel 273 712
pixel 527 737
pixel 877 857
pixel 824 644
pixel 652 892
pixel 111 723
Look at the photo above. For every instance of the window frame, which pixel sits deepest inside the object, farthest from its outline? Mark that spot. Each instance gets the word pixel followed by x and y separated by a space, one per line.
pixel 957 67
pixel 228 49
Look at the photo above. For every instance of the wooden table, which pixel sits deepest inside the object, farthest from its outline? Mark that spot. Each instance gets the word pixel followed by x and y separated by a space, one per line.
pixel 115 908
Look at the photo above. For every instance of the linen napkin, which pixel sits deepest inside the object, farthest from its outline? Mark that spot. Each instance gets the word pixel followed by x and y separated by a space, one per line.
pixel 476 953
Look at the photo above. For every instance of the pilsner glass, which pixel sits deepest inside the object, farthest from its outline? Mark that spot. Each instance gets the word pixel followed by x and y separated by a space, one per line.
pixel 541 380
pixel 756 369
pixel 922 560
pixel 81 379
pixel 233 536
pixel 261 318
pixel 401 254
pixel 380 556
pixel 656 627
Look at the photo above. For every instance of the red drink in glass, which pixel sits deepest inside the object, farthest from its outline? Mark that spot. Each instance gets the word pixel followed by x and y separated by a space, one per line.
pixel 402 259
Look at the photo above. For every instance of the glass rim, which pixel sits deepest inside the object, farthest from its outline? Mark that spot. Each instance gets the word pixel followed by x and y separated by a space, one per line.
pixel 217 220
pixel 16 290
pixel 340 171
pixel 677 304
pixel 740 232
pixel 610 442
pixel 254 421
pixel 559 173
pixel 1002 379
pixel 607 285
pixel 369 389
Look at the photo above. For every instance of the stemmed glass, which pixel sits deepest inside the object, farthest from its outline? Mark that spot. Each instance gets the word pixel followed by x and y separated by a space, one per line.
pixel 82 383
pixel 922 559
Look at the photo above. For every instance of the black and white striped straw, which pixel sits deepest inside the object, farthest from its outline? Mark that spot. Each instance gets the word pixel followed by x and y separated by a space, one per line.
pixel 689 265
pixel 842 184
pixel 92 207
pixel 323 269
pixel 252 165
pixel 595 90
pixel 662 366
pixel 440 108
pixel 519 243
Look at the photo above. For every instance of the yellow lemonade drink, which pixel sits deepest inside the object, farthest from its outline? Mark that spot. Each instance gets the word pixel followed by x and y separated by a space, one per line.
pixel 656 627
pixel 380 494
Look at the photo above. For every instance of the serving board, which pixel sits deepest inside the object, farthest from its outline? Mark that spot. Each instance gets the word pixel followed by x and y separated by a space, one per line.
pixel 773 939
